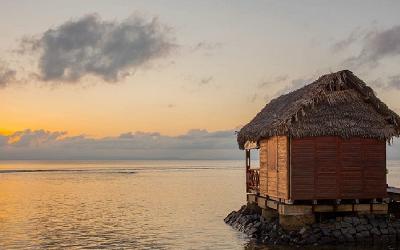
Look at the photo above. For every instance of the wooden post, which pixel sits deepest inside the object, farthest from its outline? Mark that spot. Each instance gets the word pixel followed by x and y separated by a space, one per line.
pixel 247 170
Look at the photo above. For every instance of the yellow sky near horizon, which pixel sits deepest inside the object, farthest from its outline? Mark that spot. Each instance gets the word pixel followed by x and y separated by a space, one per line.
pixel 5 131
pixel 112 109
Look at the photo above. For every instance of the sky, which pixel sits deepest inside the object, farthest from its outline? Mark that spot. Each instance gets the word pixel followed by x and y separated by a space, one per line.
pixel 174 79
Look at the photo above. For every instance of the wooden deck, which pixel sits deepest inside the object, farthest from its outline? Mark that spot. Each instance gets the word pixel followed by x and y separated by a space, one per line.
pixel 391 204
pixel 301 209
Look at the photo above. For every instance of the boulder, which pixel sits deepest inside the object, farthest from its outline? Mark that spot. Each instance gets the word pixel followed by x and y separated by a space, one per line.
pixel 364 229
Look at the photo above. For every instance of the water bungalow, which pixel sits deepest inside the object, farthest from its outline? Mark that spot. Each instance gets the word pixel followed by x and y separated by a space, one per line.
pixel 322 148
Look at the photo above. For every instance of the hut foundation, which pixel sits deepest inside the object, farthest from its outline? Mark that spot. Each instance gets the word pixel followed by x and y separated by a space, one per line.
pixel 296 216
pixel 269 214
pixel 295 222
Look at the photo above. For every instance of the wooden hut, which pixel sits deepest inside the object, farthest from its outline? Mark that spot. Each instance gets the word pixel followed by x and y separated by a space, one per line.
pixel 324 141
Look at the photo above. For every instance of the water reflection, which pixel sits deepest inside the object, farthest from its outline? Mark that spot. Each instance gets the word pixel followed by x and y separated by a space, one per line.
pixel 124 205
pixel 163 208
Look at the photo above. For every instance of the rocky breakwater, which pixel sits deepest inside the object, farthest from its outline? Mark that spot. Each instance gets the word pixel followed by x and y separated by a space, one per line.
pixel 361 229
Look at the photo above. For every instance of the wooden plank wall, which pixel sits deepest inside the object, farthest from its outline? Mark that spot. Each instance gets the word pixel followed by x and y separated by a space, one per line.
pixel 272 180
pixel 374 159
pixel 336 168
pixel 283 167
pixel 352 168
pixel 274 167
pixel 263 167
pixel 302 168
pixel 326 168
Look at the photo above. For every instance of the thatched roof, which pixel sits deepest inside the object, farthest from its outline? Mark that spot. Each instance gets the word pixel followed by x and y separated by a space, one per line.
pixel 337 104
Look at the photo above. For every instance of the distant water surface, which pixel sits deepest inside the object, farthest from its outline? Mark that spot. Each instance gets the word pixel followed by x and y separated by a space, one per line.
pixel 124 204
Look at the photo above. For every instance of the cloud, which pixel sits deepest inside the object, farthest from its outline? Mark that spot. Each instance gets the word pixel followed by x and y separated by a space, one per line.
pixel 207 46
pixel 3 140
pixel 394 82
pixel 198 83
pixel 206 80
pixel 195 144
pixel 296 84
pixel 91 46
pixel 377 45
pixel 278 79
pixel 7 75
pixel 391 83
pixel 378 83
pixel 253 98
pixel 354 36
pixel 45 145
pixel 171 105
pixel 291 86
pixel 30 138
pixel 264 85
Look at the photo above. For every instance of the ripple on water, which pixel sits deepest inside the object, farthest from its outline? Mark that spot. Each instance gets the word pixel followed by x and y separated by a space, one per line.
pixel 120 207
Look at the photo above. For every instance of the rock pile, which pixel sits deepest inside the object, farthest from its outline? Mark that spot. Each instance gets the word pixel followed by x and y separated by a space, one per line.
pixel 361 229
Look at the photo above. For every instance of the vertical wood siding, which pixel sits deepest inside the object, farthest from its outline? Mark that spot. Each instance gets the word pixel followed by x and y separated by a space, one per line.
pixel 272 180
pixel 274 167
pixel 263 167
pixel 283 168
pixel 302 168
pixel 336 168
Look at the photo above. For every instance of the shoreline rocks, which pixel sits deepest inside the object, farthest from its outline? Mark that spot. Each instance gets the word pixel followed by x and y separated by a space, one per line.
pixel 353 229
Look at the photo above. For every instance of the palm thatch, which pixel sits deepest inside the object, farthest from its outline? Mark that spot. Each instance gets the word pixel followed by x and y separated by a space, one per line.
pixel 337 104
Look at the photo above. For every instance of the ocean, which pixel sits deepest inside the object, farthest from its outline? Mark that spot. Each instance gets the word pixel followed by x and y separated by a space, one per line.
pixel 125 204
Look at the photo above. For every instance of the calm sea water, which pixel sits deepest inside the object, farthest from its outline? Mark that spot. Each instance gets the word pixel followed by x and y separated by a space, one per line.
pixel 124 205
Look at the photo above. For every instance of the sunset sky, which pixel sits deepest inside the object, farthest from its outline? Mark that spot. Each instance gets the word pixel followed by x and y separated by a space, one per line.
pixel 132 75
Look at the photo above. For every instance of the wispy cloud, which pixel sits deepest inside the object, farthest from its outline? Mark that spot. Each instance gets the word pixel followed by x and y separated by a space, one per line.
pixel 206 46
pixel 45 145
pixel 295 84
pixel 284 87
pixel 171 105
pixel 276 80
pixel 264 86
pixel 355 36
pixel 391 83
pixel 92 46
pixel 291 86
pixel 376 46
pixel 206 80
pixel 394 82
pixel 198 83
pixel 7 75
